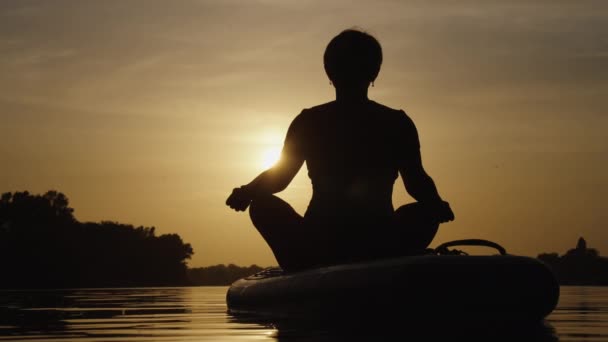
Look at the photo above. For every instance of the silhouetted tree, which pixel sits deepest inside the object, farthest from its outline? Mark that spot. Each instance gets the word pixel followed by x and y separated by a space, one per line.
pixel 579 266
pixel 43 245
pixel 549 258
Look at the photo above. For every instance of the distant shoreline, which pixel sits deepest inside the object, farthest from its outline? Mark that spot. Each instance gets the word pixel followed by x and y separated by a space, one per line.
pixel 44 247
pixel 580 266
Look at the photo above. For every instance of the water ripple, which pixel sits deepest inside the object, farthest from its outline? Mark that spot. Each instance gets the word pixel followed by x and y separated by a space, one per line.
pixel 199 314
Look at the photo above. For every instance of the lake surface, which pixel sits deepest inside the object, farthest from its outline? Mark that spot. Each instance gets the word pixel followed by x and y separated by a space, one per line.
pixel 199 314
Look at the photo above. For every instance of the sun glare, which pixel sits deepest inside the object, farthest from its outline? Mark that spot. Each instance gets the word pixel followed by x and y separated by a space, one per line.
pixel 270 156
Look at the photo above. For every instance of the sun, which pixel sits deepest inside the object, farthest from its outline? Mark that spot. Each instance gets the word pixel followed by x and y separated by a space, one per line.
pixel 270 156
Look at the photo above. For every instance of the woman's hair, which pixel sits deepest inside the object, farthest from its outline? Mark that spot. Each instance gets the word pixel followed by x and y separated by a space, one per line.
pixel 352 58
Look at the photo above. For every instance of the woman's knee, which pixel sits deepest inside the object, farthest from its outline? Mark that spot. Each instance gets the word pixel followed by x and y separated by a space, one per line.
pixel 418 222
pixel 269 210
pixel 263 205
pixel 416 213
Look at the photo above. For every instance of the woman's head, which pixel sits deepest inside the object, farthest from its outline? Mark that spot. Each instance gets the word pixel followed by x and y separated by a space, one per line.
pixel 352 58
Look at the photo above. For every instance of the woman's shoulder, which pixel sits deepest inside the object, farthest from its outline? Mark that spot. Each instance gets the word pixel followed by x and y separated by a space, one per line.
pixel 388 110
pixel 397 117
pixel 319 109
pixel 312 114
pixel 309 117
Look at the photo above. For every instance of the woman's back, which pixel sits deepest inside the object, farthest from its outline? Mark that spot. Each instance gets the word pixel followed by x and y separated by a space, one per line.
pixel 353 153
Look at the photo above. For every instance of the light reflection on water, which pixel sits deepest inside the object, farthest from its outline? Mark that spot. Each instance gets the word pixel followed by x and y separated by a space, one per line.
pixel 199 314
pixel 159 314
pixel 582 314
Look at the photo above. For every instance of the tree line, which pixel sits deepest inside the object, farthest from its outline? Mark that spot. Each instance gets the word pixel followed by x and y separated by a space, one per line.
pixel 219 275
pixel 42 245
pixel 578 266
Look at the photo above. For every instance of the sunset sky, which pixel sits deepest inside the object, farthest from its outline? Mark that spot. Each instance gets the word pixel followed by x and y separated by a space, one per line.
pixel 149 112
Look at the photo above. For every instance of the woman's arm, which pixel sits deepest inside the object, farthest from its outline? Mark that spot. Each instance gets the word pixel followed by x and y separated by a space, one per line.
pixel 422 188
pixel 417 182
pixel 276 178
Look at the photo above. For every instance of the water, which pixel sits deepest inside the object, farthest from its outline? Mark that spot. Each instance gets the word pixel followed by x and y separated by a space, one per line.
pixel 199 314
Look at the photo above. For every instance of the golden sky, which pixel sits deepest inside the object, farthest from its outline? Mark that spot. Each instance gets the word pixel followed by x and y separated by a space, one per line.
pixel 149 112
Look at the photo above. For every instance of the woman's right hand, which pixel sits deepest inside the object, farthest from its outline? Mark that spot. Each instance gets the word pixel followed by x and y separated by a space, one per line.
pixel 239 200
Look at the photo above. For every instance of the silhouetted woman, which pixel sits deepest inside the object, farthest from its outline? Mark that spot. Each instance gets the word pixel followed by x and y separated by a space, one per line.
pixel 354 149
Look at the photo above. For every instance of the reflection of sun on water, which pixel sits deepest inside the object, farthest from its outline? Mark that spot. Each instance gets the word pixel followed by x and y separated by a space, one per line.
pixel 270 156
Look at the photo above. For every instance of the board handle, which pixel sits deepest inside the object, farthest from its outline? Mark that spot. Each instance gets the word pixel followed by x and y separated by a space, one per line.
pixel 443 248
